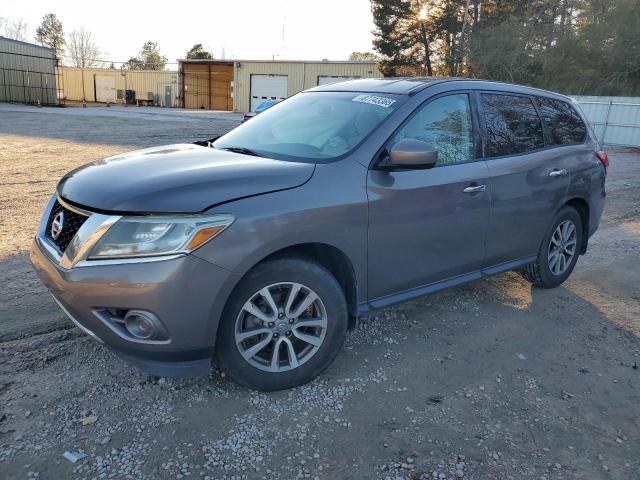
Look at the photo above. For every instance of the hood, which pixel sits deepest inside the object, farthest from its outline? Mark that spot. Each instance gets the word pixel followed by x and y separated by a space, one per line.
pixel 180 178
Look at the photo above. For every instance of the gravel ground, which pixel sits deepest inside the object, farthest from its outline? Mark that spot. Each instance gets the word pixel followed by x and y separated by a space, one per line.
pixel 491 380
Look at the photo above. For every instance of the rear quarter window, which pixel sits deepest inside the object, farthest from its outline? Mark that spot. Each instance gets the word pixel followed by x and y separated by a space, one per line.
pixel 512 125
pixel 563 121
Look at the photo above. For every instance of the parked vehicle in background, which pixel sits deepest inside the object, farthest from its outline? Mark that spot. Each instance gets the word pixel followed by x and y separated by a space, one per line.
pixel 259 250
pixel 260 108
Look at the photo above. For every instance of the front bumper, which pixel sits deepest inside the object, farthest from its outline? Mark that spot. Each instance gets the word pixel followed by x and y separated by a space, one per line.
pixel 186 293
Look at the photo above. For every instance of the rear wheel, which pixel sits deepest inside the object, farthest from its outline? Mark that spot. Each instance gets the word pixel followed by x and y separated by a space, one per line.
pixel 559 251
pixel 283 325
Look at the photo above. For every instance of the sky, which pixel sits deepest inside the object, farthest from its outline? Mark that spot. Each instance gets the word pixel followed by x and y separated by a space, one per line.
pixel 243 29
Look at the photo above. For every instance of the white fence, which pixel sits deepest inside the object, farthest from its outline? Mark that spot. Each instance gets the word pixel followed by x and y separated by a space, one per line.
pixel 615 120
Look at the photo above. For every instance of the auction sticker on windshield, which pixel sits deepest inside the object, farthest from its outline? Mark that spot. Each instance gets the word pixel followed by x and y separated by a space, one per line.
pixel 375 100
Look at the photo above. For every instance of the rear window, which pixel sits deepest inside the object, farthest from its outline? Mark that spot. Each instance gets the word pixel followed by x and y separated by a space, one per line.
pixel 563 121
pixel 512 125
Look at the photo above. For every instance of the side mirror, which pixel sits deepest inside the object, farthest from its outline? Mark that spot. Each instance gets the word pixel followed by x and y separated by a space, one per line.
pixel 411 154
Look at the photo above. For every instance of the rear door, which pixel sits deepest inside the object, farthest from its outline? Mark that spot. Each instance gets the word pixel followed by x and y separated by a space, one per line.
pixel 529 178
pixel 429 225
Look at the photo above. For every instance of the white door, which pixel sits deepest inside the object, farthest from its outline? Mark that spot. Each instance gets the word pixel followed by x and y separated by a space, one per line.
pixel 268 87
pixel 328 80
pixel 105 89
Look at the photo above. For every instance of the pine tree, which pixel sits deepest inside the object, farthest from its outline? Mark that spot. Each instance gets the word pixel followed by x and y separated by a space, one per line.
pixel 402 37
pixel 50 33
pixel 388 37
pixel 149 58
pixel 198 51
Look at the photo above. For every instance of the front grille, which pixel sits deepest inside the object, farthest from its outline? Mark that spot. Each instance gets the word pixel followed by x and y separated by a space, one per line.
pixel 71 223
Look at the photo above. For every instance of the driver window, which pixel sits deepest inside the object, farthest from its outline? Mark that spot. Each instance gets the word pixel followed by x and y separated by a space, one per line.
pixel 444 123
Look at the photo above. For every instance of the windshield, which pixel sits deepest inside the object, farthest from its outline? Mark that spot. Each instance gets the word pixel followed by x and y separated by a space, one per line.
pixel 312 126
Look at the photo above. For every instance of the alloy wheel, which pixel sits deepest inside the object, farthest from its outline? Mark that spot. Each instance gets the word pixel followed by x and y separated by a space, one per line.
pixel 562 247
pixel 281 326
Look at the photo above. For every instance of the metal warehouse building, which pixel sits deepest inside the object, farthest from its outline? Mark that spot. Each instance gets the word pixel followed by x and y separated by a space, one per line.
pixel 241 85
pixel 28 73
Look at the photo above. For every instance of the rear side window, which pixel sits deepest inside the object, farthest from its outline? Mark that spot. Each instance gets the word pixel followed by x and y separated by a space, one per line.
pixel 512 124
pixel 563 122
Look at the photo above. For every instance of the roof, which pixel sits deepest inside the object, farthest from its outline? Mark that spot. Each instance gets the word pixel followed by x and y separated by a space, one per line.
pixel 400 86
pixel 117 70
pixel 223 61
pixel 20 42
pixel 413 85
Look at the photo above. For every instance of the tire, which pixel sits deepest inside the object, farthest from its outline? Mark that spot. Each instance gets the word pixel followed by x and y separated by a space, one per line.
pixel 541 273
pixel 328 315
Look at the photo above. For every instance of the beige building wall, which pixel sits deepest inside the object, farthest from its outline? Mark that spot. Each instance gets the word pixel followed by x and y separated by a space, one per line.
pixel 301 75
pixel 78 84
pixel 359 69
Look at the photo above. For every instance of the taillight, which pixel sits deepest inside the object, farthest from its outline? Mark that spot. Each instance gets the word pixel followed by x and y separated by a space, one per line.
pixel 603 157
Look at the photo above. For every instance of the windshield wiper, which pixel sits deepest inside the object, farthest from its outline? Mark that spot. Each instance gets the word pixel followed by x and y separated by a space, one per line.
pixel 244 151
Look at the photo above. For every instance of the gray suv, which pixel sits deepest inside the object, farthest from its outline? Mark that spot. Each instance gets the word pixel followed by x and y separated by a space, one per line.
pixel 259 250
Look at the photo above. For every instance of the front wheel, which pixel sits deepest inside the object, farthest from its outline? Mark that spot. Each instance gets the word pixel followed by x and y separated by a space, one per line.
pixel 559 251
pixel 283 325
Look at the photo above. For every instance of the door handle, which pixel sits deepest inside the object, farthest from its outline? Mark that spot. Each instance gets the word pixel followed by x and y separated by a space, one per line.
pixel 476 189
pixel 557 172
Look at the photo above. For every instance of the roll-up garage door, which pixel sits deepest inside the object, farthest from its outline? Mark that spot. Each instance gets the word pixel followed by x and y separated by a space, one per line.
pixel 268 87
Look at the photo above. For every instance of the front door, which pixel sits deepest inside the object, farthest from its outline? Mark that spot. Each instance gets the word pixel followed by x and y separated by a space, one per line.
pixel 429 225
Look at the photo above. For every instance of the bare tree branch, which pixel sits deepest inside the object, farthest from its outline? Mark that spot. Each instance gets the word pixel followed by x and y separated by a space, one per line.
pixel 15 29
pixel 82 51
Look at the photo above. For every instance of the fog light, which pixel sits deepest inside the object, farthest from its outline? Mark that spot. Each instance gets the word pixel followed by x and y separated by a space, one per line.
pixel 133 325
pixel 139 324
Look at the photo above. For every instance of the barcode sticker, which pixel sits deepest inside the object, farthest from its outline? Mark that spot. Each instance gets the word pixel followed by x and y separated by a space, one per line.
pixel 375 100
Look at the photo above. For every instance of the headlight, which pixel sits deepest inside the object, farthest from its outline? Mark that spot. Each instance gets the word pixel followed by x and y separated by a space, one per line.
pixel 158 235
